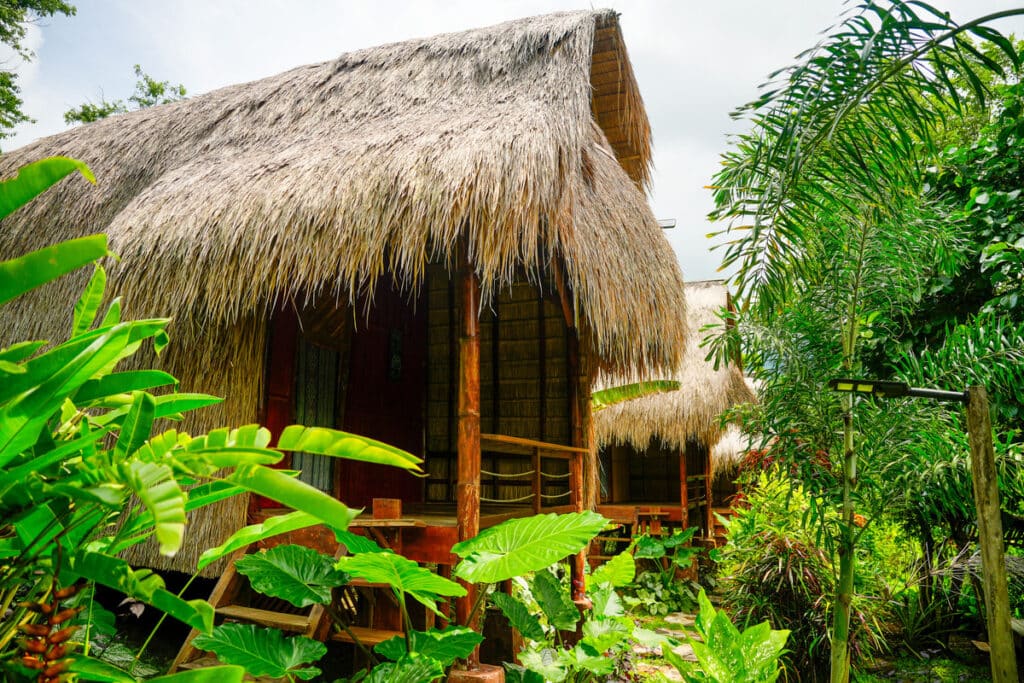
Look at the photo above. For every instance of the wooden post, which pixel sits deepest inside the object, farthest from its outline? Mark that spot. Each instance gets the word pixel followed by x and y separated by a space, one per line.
pixel 468 488
pixel 709 515
pixel 577 468
pixel 990 537
pixel 684 491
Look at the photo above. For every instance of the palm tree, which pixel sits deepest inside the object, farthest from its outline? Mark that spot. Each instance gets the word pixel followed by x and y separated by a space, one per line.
pixel 836 156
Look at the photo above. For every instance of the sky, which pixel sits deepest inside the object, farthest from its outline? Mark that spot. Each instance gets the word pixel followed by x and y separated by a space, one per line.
pixel 695 61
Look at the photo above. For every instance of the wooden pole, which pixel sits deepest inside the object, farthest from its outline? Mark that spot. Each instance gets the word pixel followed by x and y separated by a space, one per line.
pixel 709 514
pixel 576 466
pixel 990 537
pixel 468 488
pixel 684 491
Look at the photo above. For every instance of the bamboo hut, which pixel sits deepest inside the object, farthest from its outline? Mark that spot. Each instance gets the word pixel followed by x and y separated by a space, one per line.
pixel 661 453
pixel 419 242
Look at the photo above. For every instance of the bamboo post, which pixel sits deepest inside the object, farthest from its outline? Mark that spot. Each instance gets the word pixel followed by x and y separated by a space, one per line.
pixel 990 537
pixel 468 488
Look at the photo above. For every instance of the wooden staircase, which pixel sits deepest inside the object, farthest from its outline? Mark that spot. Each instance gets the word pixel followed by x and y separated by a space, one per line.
pixel 235 602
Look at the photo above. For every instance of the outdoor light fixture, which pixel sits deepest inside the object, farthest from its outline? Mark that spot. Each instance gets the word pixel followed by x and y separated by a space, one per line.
pixel 889 389
pixel 667 223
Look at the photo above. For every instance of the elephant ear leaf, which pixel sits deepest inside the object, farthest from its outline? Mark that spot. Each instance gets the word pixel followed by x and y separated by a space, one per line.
pixel 447 645
pixel 616 572
pixel 404 576
pixel 412 668
pixel 554 601
pixel 521 546
pixel 519 616
pixel 302 576
pixel 263 651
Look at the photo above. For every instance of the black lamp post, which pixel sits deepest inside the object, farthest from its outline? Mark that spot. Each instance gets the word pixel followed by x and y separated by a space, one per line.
pixel 986 501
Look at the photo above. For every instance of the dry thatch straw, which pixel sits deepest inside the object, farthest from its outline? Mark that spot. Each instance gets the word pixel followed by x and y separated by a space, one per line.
pixel 528 139
pixel 322 178
pixel 691 412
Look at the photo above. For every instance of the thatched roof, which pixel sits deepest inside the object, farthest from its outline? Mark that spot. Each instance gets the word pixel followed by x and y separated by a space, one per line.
pixel 691 412
pixel 528 138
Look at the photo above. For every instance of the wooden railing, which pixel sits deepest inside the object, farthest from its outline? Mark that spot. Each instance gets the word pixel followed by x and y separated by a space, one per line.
pixel 538 451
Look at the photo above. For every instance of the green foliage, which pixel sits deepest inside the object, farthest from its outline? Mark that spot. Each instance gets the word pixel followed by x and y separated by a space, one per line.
pixel 404 576
pixel 90 669
pixel 774 569
pixel 554 601
pixel 521 546
pixel 658 590
pixel 519 616
pixel 14 17
pixel 82 476
pixel 148 92
pixel 727 655
pixel 617 572
pixel 254 533
pixel 332 442
pixel 609 397
pixel 444 645
pixel 263 651
pixel 30 181
pixel 826 198
pixel 412 668
pixel 302 576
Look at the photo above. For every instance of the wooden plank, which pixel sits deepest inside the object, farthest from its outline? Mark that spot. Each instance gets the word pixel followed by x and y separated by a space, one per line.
pixel 515 445
pixel 295 623
pixel 990 537
pixel 224 591
pixel 371 523
pixel 366 635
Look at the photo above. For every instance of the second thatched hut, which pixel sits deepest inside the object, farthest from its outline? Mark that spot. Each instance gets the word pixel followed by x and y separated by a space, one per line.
pixel 660 453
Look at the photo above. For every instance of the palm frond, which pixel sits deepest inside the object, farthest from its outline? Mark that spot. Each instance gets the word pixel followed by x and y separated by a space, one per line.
pixel 844 130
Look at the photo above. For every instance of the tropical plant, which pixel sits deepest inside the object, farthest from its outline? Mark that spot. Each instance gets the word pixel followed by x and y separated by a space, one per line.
pixel 304 577
pixel 603 398
pixel 82 477
pixel 832 175
pixel 659 589
pixel 726 654
pixel 543 611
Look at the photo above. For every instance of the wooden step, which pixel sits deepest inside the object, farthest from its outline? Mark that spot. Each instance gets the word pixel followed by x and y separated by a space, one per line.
pixel 295 623
pixel 366 635
pixel 613 539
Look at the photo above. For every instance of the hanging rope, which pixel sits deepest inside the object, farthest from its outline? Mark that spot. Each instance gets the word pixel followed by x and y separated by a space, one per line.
pixel 514 475
pixel 507 500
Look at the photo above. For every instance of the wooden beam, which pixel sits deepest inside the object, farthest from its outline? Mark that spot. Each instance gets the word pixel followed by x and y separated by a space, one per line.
pixel 468 488
pixel 990 537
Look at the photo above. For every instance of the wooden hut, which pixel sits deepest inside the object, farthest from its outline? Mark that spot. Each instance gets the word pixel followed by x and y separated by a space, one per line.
pixel 660 453
pixel 421 242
